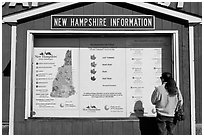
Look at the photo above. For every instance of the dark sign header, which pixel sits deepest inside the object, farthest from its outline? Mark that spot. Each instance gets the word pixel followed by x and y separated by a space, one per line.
pixel 98 21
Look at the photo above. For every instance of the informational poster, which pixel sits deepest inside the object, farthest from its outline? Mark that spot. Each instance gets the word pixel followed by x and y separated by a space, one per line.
pixel 94 81
pixel 55 81
pixel 102 82
pixel 143 74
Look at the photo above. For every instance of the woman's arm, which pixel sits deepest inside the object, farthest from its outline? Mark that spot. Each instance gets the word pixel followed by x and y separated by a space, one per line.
pixel 155 96
pixel 180 97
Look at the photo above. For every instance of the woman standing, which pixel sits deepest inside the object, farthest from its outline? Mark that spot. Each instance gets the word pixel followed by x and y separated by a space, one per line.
pixel 165 99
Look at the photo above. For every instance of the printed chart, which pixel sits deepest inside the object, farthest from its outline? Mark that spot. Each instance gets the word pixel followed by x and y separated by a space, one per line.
pixel 55 80
pixel 94 82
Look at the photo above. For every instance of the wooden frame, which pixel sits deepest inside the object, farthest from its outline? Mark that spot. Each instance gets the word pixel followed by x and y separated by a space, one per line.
pixel 192 79
pixel 30 41
pixel 12 80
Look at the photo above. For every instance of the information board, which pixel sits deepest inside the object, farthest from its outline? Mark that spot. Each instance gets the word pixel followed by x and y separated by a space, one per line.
pixel 143 74
pixel 55 82
pixel 102 82
pixel 94 82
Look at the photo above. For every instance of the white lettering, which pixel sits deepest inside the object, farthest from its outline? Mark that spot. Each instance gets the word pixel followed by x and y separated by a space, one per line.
pixel 72 21
pixel 104 21
pixel 34 4
pixel 13 4
pixel 149 22
pixel 145 22
pixel 135 24
pixel 126 22
pixel 122 22
pixel 64 21
pixel 100 22
pixel 57 22
pixel 90 22
pixel 76 22
pixel 81 21
pixel 131 22
pixel 25 4
pixel 114 22
pixel 118 21
pixel 94 22
pixel 180 4
pixel 85 21
pixel 164 3
pixel 139 21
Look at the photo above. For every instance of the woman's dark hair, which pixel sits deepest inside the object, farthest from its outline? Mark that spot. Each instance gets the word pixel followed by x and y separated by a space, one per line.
pixel 171 83
pixel 171 87
pixel 166 76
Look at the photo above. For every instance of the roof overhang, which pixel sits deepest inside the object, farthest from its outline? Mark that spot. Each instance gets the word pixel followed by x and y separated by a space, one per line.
pixel 18 16
pixel 22 15
pixel 184 16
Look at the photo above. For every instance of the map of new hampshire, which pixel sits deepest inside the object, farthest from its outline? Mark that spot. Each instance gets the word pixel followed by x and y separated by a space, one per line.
pixel 62 84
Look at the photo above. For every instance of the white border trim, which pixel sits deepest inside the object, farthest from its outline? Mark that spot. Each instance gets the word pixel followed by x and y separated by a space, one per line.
pixel 30 34
pixel 176 57
pixel 192 79
pixel 28 71
pixel 12 80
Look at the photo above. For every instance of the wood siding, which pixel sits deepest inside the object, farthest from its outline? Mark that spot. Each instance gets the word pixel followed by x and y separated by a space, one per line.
pixel 198 73
pixel 76 127
pixel 6 57
pixel 93 126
